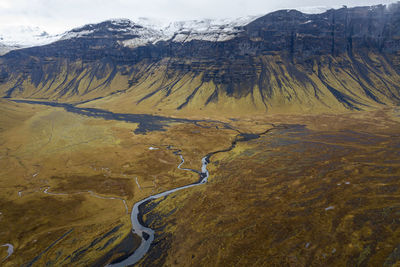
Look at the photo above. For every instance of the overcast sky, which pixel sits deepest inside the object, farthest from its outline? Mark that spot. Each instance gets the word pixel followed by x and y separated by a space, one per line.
pixel 57 16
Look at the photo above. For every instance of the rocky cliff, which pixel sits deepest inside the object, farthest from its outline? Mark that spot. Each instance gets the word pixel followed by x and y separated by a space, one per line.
pixel 285 61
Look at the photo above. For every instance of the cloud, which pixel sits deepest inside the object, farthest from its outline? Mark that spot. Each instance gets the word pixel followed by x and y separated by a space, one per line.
pixel 61 15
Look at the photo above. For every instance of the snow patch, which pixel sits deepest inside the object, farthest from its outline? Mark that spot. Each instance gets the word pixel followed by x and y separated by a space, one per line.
pixel 76 34
pixel 217 30
pixel 25 36
pixel 4 49
pixel 307 22
pixel 315 9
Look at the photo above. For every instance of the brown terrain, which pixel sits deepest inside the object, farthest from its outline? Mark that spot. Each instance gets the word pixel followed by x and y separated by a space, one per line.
pixel 318 189
pixel 299 113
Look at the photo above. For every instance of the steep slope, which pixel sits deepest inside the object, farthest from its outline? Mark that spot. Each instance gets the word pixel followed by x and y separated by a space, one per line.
pixel 4 49
pixel 286 61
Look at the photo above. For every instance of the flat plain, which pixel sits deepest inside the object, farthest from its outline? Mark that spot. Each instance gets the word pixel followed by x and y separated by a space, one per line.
pixel 314 190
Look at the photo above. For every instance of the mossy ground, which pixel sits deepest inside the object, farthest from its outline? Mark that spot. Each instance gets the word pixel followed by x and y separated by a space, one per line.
pixel 72 156
pixel 303 196
pixel 266 199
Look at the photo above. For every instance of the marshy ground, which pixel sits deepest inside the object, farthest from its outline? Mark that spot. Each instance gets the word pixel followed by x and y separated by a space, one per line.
pixel 325 190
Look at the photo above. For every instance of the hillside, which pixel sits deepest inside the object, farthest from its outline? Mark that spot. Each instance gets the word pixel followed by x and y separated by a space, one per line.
pixel 283 62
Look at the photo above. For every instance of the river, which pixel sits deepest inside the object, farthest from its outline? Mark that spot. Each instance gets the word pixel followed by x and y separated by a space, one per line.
pixel 147 234
pixel 150 123
pixel 10 250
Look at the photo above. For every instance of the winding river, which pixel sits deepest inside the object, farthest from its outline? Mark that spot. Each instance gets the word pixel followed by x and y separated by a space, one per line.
pixel 10 250
pixel 150 123
pixel 147 234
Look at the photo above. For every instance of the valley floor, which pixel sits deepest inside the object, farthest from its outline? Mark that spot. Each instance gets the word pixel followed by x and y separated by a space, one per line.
pixel 324 189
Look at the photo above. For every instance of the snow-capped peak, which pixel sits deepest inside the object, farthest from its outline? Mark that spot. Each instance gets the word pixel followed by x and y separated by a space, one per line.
pixel 315 9
pixel 121 21
pixel 150 31
pixel 207 29
pixel 25 36
pixel 215 30
pixel 129 33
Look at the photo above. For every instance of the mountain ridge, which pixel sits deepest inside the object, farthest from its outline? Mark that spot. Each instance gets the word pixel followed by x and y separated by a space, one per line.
pixel 285 61
pixel 18 37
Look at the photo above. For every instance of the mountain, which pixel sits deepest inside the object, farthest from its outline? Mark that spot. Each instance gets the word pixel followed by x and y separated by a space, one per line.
pixel 134 34
pixel 4 49
pixel 284 62
pixel 17 37
pixel 205 30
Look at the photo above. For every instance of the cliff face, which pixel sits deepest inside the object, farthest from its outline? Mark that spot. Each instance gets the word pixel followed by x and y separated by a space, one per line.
pixel 286 61
pixel 331 33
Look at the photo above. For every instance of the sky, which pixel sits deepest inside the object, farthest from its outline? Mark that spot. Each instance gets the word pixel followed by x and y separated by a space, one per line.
pixel 56 16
